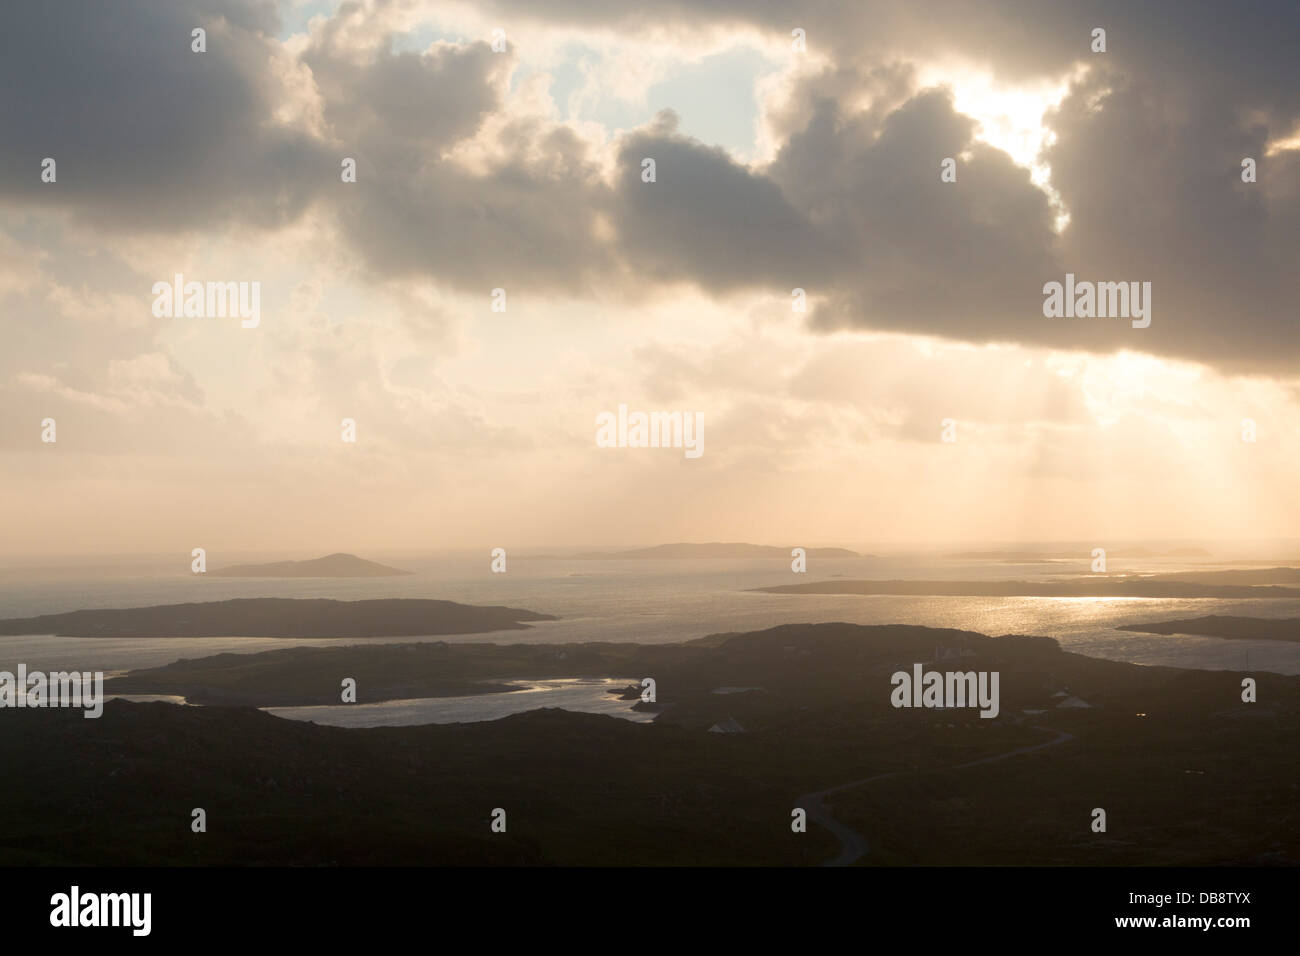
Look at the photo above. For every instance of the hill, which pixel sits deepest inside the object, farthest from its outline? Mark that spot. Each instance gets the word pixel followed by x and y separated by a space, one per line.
pixel 330 566
pixel 1187 772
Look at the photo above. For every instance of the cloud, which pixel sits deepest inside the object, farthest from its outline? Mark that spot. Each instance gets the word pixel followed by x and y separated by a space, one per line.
pixel 1158 197
pixel 148 135
pixel 460 186
pixel 706 218
pixel 1146 159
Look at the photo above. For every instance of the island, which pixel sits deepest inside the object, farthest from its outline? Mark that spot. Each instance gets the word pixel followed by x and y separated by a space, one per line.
pixel 281 617
pixel 1236 576
pixel 331 566
pixel 1226 626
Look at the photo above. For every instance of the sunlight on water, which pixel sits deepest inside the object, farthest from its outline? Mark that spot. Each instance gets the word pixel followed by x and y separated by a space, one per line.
pixel 587 696
pixel 647 602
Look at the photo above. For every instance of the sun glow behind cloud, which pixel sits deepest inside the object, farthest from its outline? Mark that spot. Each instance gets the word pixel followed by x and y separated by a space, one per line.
pixel 1010 117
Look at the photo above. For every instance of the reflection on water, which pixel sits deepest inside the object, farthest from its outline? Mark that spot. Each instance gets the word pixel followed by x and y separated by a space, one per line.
pixel 658 602
pixel 585 695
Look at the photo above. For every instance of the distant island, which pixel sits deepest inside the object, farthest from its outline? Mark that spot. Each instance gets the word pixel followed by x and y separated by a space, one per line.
pixel 330 566
pixel 685 550
pixel 1226 626
pixel 280 617
pixel 1081 553
pixel 1139 587
pixel 1237 576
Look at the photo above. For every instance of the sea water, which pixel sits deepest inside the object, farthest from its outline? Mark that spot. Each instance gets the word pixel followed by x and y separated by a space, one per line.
pixel 647 601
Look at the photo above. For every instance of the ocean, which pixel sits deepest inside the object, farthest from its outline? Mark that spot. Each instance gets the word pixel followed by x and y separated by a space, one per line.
pixel 648 601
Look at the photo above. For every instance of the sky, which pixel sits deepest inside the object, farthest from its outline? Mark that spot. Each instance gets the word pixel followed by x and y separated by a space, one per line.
pixel 922 395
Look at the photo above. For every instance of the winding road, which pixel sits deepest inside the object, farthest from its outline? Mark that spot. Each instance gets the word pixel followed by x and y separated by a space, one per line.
pixel 853 845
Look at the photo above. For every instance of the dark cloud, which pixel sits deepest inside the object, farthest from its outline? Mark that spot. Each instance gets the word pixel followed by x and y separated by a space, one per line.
pixel 146 133
pixel 393 103
pixel 1147 162
pixel 150 136
pixel 524 219
pixel 913 253
pixel 706 218
pixel 853 211
pixel 1159 197
pixel 528 223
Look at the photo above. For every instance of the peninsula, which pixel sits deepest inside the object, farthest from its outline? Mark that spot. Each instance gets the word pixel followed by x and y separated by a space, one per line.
pixel 1226 626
